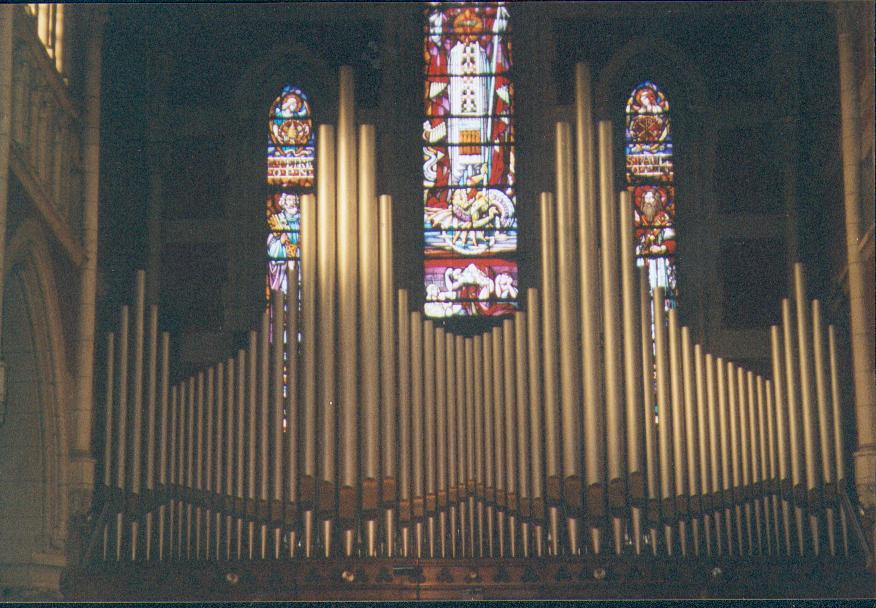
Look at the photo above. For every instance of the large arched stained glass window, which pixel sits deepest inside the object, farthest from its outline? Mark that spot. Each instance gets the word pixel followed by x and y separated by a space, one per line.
pixel 470 220
pixel 650 178
pixel 291 154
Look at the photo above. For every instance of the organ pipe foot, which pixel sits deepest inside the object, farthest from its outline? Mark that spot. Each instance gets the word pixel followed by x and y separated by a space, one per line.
pixel 278 542
pixel 596 540
pixel 293 544
pixel 524 539
pixel 617 534
pixel 554 531
pixel 539 540
pixel 389 532
pixel 512 535
pixel 308 534
pixel 442 534
pixel 491 530
pixel 682 536
pixel 371 537
pixel 500 531
pixel 326 532
pixel 454 522
pixel 349 542
pixel 574 535
pixel 637 530
pixel 406 541
pixel 668 539
pixel 431 531
pixel 418 540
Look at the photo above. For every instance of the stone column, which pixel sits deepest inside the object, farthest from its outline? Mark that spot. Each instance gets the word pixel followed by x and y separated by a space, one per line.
pixel 82 461
pixel 861 327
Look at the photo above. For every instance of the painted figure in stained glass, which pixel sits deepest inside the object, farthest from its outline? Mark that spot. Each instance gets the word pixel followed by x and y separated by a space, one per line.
pixel 283 218
pixel 291 149
pixel 468 151
pixel 650 176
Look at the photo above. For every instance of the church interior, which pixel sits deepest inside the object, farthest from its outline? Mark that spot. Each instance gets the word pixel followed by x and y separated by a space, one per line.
pixel 447 300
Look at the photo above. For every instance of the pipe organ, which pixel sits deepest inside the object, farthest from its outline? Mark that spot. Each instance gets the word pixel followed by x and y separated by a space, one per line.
pixel 351 427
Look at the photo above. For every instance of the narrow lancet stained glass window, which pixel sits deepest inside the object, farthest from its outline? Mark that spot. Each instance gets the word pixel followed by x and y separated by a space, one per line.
pixel 650 178
pixel 469 219
pixel 291 154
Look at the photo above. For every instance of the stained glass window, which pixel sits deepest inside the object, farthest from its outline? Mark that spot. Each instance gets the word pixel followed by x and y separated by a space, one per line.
pixel 291 153
pixel 469 201
pixel 650 177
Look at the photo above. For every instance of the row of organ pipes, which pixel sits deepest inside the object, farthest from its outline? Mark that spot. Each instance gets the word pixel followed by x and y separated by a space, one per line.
pixel 371 431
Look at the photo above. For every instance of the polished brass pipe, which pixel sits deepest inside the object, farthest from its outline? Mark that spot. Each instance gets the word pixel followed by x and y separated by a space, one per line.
pixel 735 458
pixel 588 207
pixel 241 447
pixel 368 404
pixel 763 493
pixel 218 451
pixel 462 389
pixel 326 280
pixel 108 432
pixel 691 411
pixel 137 407
pixel 439 424
pixel 795 447
pixel 275 464
pixel 715 478
pixel 509 416
pixel 745 447
pixel 499 406
pixel 429 430
pixel 778 505
pixel 251 440
pixel 550 369
pixel 649 377
pixel 633 375
pixel 164 448
pixel 308 371
pixel 726 462
pixel 471 471
pixel 612 307
pixel 807 404
pixel 478 444
pixel 749 456
pixel 702 439
pixel 677 429
pixel 453 430
pixel 191 417
pixel 207 393
pixel 348 309
pixel 566 296
pixel 825 426
pixel 388 365
pixel 489 453
pixel 664 418
pixel 782 428
pixel 404 421
pixel 231 433
pixel 263 438
pixel 291 448
pixel 837 427
pixel 521 428
pixel 418 471
pixel 151 406
pixel 536 418
pixel 172 474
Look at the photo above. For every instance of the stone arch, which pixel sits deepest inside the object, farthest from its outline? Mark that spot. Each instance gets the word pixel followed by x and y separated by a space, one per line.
pixel 34 438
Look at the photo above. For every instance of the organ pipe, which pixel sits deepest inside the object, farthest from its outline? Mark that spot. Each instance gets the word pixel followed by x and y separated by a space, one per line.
pixel 470 447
